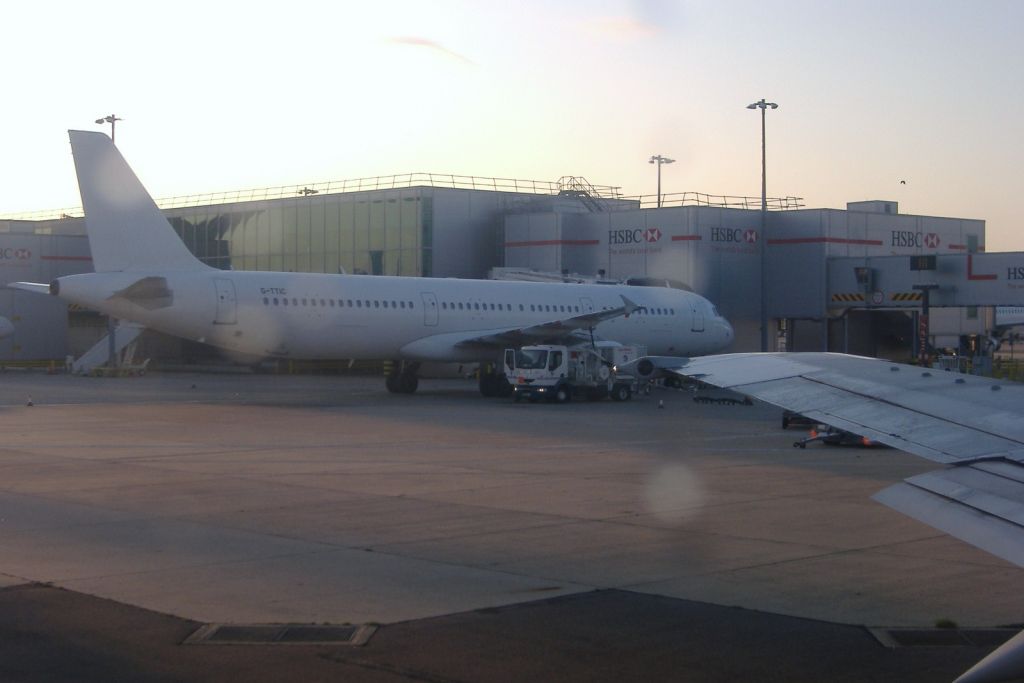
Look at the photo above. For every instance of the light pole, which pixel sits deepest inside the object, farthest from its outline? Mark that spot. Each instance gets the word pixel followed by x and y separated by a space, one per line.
pixel 112 119
pixel 659 160
pixel 764 106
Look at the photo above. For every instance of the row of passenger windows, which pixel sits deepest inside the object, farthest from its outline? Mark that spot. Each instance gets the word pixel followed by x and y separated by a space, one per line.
pixel 543 308
pixel 339 303
pixel 445 305
pixel 551 308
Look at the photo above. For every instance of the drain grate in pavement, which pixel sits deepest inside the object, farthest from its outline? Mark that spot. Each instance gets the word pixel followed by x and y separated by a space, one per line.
pixel 942 637
pixel 281 634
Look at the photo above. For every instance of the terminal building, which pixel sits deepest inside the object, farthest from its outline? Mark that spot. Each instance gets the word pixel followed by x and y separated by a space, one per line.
pixel 724 248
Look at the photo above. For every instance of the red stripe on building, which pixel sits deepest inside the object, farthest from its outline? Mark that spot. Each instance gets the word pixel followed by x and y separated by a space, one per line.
pixel 970 271
pixel 683 238
pixel 958 247
pixel 548 243
pixel 65 258
pixel 826 240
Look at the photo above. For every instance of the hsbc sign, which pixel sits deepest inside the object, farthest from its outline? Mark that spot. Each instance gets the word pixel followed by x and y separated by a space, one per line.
pixel 734 235
pixel 635 236
pixel 909 238
pixel 13 254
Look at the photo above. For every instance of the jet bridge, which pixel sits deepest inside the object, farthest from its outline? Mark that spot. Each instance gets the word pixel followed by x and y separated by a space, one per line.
pixel 950 280
pixel 924 281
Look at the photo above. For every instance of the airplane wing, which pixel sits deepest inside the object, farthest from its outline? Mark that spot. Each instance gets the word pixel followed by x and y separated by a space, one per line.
pixel 549 332
pixel 975 425
pixel 438 347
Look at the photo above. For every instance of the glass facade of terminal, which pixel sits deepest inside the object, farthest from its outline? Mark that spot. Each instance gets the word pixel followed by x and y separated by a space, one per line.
pixel 377 233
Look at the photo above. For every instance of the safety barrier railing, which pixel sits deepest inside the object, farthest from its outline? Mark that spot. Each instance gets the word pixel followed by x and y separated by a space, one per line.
pixel 572 185
pixel 650 201
pixel 389 182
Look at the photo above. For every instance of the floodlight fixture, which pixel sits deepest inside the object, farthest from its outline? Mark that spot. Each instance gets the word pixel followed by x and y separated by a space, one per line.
pixel 659 160
pixel 112 119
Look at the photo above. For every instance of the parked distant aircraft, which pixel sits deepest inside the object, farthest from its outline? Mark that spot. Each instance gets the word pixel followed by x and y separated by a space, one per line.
pixel 975 425
pixel 1009 316
pixel 145 274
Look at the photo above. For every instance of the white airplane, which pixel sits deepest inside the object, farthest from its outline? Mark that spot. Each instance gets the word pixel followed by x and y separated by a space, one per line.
pixel 973 425
pixel 1009 316
pixel 145 274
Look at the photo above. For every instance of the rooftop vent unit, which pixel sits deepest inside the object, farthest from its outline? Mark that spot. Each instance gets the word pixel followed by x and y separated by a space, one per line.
pixel 874 206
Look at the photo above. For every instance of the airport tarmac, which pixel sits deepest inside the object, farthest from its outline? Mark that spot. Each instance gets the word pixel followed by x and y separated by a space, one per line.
pixel 595 541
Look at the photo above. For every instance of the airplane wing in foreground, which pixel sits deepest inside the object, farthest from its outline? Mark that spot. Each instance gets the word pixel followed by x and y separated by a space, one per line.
pixel 975 425
pixel 946 417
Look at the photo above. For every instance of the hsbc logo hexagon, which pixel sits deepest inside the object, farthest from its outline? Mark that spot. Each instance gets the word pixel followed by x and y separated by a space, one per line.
pixel 931 240
pixel 750 236
pixel 652 234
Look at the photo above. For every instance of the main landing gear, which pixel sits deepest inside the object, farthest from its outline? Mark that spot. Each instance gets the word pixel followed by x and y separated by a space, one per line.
pixel 493 383
pixel 402 379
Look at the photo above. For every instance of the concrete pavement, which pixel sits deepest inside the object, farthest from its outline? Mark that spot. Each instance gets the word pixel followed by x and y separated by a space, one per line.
pixel 244 498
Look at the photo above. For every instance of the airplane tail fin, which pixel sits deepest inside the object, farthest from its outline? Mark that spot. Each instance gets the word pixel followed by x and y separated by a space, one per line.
pixel 127 231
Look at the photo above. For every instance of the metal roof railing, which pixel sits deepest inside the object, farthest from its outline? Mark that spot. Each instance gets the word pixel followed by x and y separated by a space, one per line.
pixel 650 201
pixel 573 185
pixel 389 182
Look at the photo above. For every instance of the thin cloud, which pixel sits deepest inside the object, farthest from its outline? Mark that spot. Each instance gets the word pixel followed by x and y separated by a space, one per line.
pixel 428 44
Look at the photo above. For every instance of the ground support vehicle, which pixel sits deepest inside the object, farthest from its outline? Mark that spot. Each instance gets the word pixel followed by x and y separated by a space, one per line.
pixel 791 419
pixel 835 437
pixel 561 373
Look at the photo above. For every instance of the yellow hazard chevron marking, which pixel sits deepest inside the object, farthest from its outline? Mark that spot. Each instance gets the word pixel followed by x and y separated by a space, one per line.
pixel 848 297
pixel 906 296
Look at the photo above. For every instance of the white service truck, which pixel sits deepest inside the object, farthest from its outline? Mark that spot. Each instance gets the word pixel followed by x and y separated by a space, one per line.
pixel 561 373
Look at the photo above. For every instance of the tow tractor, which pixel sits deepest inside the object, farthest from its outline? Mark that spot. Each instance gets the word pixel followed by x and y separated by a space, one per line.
pixel 561 373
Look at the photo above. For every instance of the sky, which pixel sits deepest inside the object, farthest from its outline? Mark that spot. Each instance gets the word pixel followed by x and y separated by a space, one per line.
pixel 908 100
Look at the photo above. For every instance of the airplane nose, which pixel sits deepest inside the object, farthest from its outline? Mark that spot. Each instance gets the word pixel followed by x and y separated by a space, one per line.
pixel 727 329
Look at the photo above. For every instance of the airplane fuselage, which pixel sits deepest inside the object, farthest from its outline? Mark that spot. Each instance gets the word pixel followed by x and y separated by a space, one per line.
pixel 309 315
